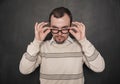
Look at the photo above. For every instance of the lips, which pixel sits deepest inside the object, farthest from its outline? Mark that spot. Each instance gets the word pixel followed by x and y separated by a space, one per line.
pixel 59 37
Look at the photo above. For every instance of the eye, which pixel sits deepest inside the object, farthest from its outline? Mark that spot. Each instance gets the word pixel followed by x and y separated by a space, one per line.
pixel 65 29
pixel 55 29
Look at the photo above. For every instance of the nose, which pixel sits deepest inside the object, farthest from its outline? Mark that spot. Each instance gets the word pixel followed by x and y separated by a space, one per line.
pixel 60 32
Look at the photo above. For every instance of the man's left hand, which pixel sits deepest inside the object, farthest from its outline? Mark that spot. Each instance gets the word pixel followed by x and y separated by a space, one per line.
pixel 78 31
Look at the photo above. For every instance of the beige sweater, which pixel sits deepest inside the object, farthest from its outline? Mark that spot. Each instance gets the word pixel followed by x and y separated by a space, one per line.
pixel 61 63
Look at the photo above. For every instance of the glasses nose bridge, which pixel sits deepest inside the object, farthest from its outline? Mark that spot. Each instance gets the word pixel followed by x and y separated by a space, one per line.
pixel 59 31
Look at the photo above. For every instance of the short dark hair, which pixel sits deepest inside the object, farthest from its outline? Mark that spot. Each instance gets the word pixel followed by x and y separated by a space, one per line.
pixel 59 12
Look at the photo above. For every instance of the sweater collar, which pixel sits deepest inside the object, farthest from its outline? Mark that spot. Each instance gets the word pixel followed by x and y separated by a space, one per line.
pixel 69 40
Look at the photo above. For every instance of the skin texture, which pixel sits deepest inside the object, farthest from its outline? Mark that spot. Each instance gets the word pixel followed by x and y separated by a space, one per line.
pixel 60 23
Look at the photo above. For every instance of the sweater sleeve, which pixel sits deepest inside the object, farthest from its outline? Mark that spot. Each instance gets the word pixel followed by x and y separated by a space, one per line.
pixel 92 57
pixel 31 58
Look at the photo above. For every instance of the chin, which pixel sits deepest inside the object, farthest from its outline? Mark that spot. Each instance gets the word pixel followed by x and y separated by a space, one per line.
pixel 60 42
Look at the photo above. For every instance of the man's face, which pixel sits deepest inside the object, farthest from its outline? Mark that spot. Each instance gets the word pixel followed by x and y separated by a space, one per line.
pixel 60 28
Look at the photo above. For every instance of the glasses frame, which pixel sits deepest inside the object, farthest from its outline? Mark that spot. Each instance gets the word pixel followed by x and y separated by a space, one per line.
pixel 60 31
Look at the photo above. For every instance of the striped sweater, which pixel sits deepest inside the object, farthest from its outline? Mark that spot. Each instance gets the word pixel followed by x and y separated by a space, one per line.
pixel 61 63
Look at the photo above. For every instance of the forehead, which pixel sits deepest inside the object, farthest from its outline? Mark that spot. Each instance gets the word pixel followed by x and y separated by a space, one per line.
pixel 59 22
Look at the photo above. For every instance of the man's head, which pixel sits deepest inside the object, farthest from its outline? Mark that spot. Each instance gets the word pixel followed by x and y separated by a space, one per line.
pixel 60 20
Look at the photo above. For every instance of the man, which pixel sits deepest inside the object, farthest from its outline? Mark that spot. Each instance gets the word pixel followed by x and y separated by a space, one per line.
pixel 62 57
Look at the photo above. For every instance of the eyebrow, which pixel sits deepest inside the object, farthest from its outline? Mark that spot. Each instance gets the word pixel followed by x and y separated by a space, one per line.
pixel 58 27
pixel 54 26
pixel 65 26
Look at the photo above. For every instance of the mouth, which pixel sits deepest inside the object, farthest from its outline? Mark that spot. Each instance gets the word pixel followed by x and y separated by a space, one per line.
pixel 59 39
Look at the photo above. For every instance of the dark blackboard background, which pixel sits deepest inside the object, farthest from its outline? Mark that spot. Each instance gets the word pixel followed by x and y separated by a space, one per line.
pixel 17 19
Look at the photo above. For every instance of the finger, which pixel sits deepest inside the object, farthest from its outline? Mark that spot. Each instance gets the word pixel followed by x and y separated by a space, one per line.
pixel 39 26
pixel 72 32
pixel 82 27
pixel 76 24
pixel 44 24
pixel 46 32
pixel 75 29
pixel 80 24
pixel 73 25
pixel 36 26
pixel 45 29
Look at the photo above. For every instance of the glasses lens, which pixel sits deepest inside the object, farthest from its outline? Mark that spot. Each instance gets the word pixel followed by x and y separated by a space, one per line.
pixel 65 31
pixel 54 31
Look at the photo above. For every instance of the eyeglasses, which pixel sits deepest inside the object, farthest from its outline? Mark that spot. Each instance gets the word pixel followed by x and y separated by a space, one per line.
pixel 63 31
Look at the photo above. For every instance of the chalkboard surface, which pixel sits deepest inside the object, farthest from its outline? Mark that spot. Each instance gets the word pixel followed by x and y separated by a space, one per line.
pixel 17 19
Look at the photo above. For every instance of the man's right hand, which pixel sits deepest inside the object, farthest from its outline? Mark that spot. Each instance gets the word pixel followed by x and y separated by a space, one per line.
pixel 41 31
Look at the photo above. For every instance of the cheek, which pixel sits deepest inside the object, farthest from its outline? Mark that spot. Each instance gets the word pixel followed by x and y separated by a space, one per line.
pixel 65 36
